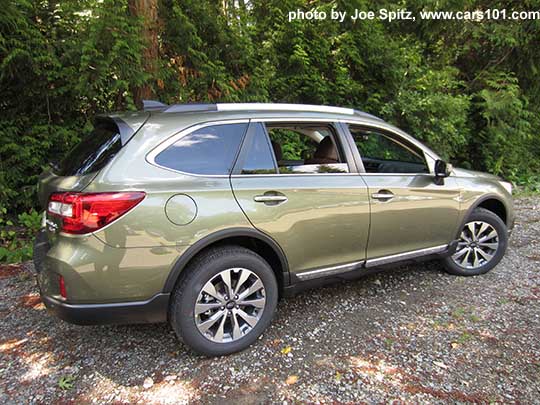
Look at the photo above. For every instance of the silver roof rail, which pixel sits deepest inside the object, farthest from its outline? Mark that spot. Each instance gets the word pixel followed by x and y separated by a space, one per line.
pixel 179 108
pixel 283 107
pixel 152 105
pixel 367 115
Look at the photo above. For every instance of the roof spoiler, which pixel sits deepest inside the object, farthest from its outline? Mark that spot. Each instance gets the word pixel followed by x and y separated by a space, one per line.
pixel 149 105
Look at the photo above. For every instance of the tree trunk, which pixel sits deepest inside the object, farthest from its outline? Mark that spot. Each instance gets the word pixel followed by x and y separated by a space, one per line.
pixel 148 11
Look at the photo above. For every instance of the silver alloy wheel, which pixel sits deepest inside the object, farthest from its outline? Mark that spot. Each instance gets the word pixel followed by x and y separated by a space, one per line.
pixel 477 245
pixel 230 305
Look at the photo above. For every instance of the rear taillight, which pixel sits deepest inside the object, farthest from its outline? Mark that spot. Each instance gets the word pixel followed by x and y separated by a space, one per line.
pixel 87 212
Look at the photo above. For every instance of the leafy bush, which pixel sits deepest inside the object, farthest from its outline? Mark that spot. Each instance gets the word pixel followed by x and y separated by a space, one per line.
pixel 61 63
pixel 16 239
pixel 506 126
pixel 468 89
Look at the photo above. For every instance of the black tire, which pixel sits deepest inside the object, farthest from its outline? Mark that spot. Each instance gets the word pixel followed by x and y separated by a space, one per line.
pixel 202 269
pixel 481 214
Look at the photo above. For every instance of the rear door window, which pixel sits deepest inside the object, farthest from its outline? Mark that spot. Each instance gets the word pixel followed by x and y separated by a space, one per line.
pixel 259 158
pixel 209 150
pixel 93 152
pixel 306 148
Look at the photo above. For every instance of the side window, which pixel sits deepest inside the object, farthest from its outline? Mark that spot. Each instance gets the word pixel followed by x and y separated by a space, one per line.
pixel 208 151
pixel 382 153
pixel 259 158
pixel 302 148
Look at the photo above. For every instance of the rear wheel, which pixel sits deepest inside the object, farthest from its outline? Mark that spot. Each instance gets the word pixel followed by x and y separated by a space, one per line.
pixel 225 301
pixel 481 245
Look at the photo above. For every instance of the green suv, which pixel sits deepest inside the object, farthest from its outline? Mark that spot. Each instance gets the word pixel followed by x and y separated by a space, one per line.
pixel 203 215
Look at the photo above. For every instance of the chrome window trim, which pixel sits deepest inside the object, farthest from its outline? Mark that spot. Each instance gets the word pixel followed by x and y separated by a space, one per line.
pixel 359 121
pixel 397 174
pixel 151 156
pixel 299 173
pixel 430 163
pixel 249 176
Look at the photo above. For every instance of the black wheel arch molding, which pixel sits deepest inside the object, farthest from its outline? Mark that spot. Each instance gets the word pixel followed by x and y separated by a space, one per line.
pixel 479 201
pixel 217 237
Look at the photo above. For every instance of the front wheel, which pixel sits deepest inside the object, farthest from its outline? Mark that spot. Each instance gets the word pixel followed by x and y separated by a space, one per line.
pixel 481 245
pixel 225 301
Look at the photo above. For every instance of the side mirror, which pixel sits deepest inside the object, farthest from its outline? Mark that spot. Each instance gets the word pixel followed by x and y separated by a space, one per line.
pixel 442 170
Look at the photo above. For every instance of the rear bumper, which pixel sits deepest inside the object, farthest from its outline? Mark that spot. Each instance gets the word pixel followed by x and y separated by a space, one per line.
pixel 153 310
pixel 96 273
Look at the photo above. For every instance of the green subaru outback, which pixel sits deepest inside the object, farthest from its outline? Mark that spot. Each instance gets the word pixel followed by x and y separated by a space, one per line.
pixel 203 215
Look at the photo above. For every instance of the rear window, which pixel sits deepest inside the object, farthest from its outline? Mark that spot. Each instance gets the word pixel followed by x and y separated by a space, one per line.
pixel 209 151
pixel 93 152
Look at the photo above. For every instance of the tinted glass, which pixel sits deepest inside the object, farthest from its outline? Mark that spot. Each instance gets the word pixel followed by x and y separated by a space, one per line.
pixel 210 150
pixel 93 152
pixel 382 154
pixel 305 148
pixel 259 157
pixel 294 145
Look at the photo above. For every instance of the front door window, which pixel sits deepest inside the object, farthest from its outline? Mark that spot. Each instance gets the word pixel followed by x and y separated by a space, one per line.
pixel 382 153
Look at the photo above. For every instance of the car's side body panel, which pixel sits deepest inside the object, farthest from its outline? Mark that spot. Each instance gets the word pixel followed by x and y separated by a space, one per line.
pixel 209 207
pixel 420 215
pixel 324 224
pixel 325 220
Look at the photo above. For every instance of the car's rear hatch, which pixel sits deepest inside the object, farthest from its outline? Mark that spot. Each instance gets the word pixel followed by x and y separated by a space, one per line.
pixel 81 165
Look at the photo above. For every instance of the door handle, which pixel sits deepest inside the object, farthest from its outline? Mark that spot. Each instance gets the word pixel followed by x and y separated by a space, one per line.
pixel 270 199
pixel 383 195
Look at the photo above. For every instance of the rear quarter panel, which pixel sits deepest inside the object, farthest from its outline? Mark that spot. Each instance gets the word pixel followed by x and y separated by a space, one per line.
pixel 98 273
pixel 134 255
pixel 147 224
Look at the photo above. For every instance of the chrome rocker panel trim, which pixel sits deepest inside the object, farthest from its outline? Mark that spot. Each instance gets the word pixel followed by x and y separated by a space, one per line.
pixel 379 261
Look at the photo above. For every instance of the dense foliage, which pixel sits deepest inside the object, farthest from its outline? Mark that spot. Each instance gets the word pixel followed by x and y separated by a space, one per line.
pixel 469 89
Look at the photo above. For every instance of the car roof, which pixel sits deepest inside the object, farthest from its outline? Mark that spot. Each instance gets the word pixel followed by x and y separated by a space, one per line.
pixel 206 112
pixel 258 109
pixel 190 114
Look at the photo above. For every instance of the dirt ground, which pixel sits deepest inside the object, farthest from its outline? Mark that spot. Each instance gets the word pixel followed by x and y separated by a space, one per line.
pixel 411 334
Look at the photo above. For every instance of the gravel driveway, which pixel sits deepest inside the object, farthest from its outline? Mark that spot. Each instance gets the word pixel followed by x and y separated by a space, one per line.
pixel 412 333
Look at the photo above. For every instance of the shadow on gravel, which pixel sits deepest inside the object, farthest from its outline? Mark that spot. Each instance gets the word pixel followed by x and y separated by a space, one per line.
pixel 56 343
pixel 409 332
pixel 153 347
